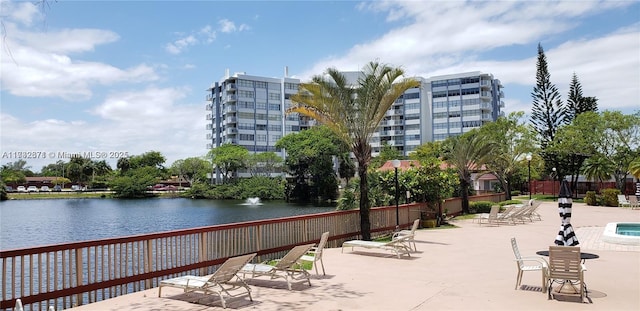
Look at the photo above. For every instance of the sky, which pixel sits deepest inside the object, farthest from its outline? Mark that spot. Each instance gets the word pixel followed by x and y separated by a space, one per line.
pixel 114 78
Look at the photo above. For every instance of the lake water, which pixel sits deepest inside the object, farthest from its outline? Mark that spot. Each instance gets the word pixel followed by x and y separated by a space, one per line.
pixel 28 223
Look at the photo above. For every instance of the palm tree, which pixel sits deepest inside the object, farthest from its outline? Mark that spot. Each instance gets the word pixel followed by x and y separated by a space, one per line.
pixel 353 112
pixel 465 153
pixel 598 168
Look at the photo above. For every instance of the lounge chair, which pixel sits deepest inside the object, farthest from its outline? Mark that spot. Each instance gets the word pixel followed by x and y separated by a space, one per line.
pixel 537 264
pixel 288 267
pixel 533 212
pixel 411 234
pixel 399 245
pixel 565 268
pixel 224 280
pixel 490 218
pixel 315 253
pixel 622 201
pixel 507 215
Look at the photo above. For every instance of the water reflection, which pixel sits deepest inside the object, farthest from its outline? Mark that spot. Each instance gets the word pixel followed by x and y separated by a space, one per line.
pixel 27 223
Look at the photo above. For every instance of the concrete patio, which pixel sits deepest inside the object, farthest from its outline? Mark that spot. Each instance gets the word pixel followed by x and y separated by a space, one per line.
pixel 466 268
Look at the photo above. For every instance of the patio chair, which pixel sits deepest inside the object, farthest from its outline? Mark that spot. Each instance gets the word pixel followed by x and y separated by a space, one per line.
pixel 566 268
pixel 222 282
pixel 490 218
pixel 633 202
pixel 398 244
pixel 315 253
pixel 288 267
pixel 411 234
pixel 507 215
pixel 622 201
pixel 536 264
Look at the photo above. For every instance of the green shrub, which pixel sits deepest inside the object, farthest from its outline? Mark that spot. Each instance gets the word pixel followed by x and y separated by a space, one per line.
pixel 509 202
pixel 480 206
pixel 610 197
pixel 591 198
pixel 515 193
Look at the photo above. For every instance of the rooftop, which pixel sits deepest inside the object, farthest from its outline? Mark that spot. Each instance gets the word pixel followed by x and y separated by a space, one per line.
pixel 466 268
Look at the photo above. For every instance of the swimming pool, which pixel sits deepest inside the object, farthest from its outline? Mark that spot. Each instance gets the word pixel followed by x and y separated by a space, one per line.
pixel 626 233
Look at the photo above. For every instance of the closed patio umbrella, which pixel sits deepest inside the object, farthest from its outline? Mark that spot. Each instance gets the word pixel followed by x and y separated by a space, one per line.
pixel 566 236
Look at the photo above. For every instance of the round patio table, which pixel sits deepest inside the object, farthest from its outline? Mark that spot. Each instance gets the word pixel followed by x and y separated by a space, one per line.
pixel 583 256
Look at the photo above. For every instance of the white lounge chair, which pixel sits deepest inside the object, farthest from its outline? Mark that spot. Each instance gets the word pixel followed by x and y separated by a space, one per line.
pixel 288 267
pixel 399 245
pixel 411 234
pixel 224 280
pixel 490 218
pixel 540 265
pixel 622 201
pixel 315 253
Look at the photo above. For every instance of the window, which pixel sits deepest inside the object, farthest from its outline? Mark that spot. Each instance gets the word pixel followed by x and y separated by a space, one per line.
pixel 275 138
pixel 246 104
pixel 274 107
pixel 275 127
pixel 413 116
pixel 439 83
pixel 246 126
pixel 411 95
pixel 246 137
pixel 470 80
pixel 439 94
pixel 470 91
pixel 245 83
pixel 290 86
pixel 261 137
pixel 275 96
pixel 242 93
pixel 245 115
pixel 275 117
pixel 261 127
pixel 261 85
pixel 262 106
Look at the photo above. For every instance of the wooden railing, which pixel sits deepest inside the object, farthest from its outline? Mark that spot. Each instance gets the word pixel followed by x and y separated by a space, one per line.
pixel 73 274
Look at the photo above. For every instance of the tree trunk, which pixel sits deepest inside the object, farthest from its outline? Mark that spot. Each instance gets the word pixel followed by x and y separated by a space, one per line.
pixel 365 223
pixel 464 188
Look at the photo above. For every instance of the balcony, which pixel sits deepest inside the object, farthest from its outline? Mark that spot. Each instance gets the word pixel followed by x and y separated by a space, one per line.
pixel 231 98
pixel 485 84
pixel 209 117
pixel 231 87
pixel 231 120
pixel 231 108
pixel 209 126
pixel 208 107
pixel 231 131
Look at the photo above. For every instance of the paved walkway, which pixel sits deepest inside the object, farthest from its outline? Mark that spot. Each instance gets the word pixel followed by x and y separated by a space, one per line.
pixel 466 268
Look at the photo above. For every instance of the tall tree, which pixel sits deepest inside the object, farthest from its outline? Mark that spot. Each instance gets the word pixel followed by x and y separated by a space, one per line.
pixel 353 112
pixel 467 153
pixel 548 113
pixel 576 102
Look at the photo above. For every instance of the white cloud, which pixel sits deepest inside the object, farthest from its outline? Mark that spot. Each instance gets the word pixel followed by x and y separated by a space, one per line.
pixel 438 37
pixel 21 12
pixel 181 44
pixel 133 122
pixel 228 26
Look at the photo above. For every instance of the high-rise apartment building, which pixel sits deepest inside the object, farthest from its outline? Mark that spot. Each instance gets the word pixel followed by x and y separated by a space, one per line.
pixel 249 111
